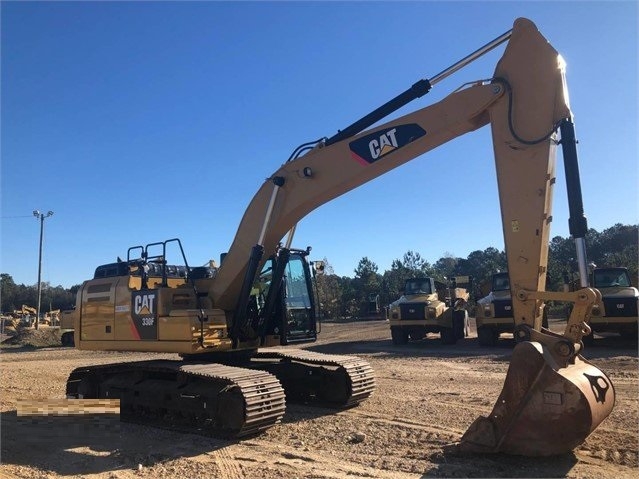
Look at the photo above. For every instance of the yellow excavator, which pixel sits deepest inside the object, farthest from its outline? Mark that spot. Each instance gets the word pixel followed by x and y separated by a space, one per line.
pixel 221 320
pixel 26 314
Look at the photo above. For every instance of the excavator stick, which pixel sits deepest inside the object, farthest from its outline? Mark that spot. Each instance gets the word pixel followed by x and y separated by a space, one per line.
pixel 544 409
pixel 552 398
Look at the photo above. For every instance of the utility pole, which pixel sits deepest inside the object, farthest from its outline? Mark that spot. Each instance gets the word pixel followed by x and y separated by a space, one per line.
pixel 41 216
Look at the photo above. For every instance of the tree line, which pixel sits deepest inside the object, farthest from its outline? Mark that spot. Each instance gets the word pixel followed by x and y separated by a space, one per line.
pixel 354 297
pixel 351 297
pixel 13 295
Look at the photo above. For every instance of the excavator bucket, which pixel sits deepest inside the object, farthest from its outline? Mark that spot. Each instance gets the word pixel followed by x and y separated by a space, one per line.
pixel 545 408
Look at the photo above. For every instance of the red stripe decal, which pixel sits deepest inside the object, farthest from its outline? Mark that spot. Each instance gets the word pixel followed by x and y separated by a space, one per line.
pixel 134 330
pixel 359 159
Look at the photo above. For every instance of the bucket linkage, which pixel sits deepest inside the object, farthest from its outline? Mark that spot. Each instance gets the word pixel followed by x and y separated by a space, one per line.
pixel 552 398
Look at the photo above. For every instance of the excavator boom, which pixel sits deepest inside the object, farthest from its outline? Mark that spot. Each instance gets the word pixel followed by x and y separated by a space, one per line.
pixel 527 93
pixel 526 104
pixel 325 173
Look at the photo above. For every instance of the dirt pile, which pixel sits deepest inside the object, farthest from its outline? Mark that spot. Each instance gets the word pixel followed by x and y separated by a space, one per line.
pixel 36 338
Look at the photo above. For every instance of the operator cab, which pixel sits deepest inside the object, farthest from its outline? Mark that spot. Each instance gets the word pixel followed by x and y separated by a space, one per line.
pixel 296 302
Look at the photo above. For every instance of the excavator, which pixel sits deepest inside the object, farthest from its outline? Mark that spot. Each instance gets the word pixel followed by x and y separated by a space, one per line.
pixel 230 324
pixel 26 314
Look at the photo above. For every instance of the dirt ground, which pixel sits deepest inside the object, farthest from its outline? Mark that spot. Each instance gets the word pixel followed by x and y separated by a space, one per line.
pixel 427 395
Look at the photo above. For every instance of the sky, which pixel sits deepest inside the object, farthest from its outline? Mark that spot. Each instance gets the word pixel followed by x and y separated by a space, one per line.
pixel 137 122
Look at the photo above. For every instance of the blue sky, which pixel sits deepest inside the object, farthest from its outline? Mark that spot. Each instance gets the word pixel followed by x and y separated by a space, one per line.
pixel 139 122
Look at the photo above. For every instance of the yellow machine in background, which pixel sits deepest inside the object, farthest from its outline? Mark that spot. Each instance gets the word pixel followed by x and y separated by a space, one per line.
pixel 67 325
pixel 26 315
pixel 426 308
pixel 494 312
pixel 8 325
pixel 52 317
pixel 18 318
pixel 616 311
pixel 261 295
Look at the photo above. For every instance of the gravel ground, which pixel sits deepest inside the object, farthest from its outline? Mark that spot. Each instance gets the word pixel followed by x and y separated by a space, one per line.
pixel 427 395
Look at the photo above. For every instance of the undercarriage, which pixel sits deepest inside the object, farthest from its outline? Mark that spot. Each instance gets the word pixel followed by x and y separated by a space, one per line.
pixel 221 400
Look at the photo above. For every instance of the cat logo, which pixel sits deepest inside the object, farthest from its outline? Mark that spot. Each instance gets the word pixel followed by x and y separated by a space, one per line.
pixel 144 303
pixel 620 306
pixel 374 146
pixel 144 315
pixel 384 145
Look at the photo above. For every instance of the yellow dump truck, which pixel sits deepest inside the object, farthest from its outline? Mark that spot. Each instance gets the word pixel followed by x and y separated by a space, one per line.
pixel 425 308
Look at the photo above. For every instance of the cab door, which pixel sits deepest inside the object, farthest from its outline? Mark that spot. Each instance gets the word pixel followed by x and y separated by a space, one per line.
pixel 299 302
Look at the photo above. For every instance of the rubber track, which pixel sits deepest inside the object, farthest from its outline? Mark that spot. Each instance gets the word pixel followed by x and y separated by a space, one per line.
pixel 262 393
pixel 360 373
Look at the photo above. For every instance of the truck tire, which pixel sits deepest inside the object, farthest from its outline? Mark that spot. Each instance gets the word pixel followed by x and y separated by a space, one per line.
pixel 486 336
pixel 67 339
pixel 448 335
pixel 399 335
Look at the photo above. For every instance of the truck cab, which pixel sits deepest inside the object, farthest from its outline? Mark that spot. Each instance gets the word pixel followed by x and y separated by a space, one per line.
pixel 420 310
pixel 494 313
pixel 617 311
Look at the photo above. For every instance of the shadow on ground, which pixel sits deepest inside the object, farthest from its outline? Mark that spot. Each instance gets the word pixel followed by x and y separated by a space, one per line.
pixel 453 463
pixel 426 348
pixel 603 347
pixel 95 443
pixel 92 443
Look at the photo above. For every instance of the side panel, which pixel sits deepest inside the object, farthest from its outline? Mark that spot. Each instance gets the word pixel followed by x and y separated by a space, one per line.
pixel 144 314
pixel 96 310
pixel 115 317
pixel 136 312
pixel 123 323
